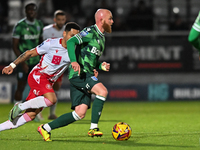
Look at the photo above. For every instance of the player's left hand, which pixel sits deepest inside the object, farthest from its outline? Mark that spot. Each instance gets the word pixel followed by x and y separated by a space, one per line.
pixel 105 66
pixel 7 70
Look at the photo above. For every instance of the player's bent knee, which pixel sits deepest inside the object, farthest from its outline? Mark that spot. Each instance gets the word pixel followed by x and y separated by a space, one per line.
pixel 104 92
pixel 32 115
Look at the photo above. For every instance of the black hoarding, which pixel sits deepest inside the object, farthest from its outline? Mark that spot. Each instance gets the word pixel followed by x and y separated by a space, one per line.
pixel 169 54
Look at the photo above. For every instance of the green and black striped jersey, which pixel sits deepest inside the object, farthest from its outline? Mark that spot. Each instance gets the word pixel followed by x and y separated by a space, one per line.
pixel 28 34
pixel 90 46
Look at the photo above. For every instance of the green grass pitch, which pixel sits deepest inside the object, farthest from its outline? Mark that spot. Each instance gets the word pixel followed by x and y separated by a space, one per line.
pixel 155 126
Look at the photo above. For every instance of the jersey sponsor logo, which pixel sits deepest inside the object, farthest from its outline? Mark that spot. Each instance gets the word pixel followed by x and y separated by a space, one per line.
pixel 88 29
pixel 41 44
pixel 87 86
pixel 94 78
pixel 83 33
pixel 95 51
pixel 36 92
pixel 31 37
pixel 37 78
pixel 56 59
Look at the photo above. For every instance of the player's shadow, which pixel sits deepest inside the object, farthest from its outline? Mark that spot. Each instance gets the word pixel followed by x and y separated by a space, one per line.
pixel 132 142
pixel 128 144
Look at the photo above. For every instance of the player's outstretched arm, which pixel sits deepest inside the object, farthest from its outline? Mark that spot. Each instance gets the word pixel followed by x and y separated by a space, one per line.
pixel 193 38
pixel 23 57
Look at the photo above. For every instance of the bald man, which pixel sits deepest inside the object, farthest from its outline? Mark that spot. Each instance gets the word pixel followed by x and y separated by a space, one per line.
pixel 90 44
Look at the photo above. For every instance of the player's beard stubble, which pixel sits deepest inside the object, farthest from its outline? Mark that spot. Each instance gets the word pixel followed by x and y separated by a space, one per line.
pixel 107 27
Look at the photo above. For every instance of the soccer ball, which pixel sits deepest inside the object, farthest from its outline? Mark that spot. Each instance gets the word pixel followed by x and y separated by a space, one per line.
pixel 121 131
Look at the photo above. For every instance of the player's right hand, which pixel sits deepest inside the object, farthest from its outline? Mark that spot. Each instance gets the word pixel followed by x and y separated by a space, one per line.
pixel 96 73
pixel 7 70
pixel 76 67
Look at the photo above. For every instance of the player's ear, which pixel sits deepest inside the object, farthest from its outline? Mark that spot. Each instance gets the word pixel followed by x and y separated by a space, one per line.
pixel 64 33
pixel 102 20
pixel 54 19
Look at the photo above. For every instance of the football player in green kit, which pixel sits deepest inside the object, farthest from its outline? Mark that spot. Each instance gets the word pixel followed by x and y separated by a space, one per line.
pixel 27 34
pixel 90 44
pixel 194 35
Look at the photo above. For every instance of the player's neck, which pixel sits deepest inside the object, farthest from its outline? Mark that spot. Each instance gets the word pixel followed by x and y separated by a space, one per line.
pixel 100 28
pixel 56 27
pixel 63 43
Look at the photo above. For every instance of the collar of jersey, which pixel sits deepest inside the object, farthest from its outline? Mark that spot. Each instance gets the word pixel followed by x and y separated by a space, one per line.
pixel 98 30
pixel 29 22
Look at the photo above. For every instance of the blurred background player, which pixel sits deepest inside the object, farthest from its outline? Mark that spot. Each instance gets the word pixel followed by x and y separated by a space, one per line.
pixel 27 34
pixel 54 31
pixel 194 35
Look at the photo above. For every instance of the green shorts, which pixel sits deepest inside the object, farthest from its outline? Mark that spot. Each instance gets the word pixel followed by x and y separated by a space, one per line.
pixel 79 89
pixel 21 75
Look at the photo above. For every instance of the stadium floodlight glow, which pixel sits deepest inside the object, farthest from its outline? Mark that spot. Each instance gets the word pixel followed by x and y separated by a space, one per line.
pixel 176 10
pixel 120 11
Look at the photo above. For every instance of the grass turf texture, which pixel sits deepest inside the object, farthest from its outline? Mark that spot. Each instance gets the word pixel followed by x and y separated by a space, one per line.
pixel 155 126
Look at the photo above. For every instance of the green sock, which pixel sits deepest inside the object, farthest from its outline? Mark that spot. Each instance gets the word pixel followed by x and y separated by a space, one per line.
pixel 62 121
pixel 97 108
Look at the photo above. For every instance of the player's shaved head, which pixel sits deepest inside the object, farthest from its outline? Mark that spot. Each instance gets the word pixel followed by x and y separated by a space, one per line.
pixel 100 14
pixel 104 20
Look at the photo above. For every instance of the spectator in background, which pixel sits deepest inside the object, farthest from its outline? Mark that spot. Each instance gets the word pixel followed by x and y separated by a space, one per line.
pixel 141 17
pixel 178 24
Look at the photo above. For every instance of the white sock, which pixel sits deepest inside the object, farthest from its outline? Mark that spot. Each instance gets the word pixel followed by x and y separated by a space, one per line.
pixel 47 127
pixel 35 103
pixel 93 125
pixel 18 121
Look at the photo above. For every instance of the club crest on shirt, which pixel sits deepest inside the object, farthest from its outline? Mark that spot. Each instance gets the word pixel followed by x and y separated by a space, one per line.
pixel 41 44
pixel 48 86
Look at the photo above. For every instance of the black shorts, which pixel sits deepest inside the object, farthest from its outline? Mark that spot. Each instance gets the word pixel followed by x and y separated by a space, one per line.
pixel 79 89
pixel 21 75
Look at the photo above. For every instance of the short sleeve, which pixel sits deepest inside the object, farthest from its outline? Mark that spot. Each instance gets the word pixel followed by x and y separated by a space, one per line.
pixel 43 48
pixel 84 36
pixel 44 34
pixel 16 31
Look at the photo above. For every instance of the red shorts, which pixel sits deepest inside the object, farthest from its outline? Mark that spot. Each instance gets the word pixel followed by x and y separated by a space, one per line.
pixel 39 84
pixel 60 78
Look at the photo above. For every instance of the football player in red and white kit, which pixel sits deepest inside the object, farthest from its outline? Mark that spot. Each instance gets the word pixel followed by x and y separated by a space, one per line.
pixel 55 31
pixel 53 63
